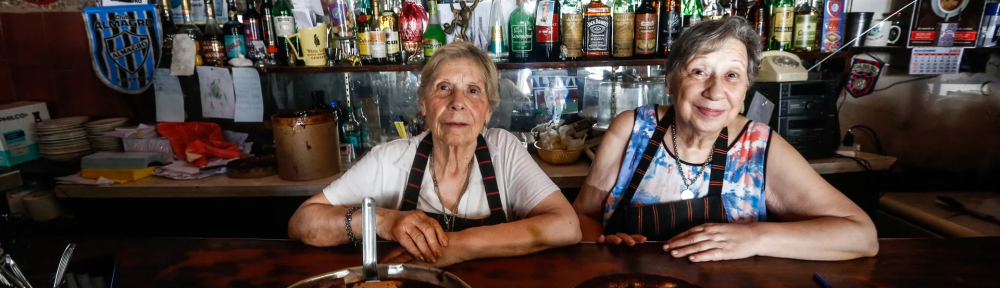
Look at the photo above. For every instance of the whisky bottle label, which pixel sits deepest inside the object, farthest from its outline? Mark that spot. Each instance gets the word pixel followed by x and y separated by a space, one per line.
pixel 598 33
pixel 284 25
pixel 805 31
pixel 573 34
pixel 392 42
pixel 213 51
pixel 520 42
pixel 624 24
pixel 784 22
pixel 235 46
pixel 364 49
pixel 376 42
pixel 645 34
pixel 430 46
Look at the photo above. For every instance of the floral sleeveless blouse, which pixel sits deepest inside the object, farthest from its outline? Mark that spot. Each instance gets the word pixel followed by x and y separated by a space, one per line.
pixel 742 187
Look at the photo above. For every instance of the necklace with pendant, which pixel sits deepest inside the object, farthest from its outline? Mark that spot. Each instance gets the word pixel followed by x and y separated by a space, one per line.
pixel 687 193
pixel 449 219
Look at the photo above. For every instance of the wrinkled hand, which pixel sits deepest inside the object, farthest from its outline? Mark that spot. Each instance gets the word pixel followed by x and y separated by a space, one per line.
pixel 620 238
pixel 450 256
pixel 419 234
pixel 713 242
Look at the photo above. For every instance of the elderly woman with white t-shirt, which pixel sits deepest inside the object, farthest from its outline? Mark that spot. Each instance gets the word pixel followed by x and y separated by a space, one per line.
pixel 455 193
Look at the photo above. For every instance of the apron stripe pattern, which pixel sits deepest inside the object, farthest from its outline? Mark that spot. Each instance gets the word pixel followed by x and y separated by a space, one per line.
pixel 683 215
pixel 411 194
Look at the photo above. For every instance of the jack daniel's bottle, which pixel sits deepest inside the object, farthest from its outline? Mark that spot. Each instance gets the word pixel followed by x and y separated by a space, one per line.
pixel 597 30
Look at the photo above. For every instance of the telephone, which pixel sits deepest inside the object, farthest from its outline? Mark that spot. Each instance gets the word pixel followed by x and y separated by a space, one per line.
pixel 781 66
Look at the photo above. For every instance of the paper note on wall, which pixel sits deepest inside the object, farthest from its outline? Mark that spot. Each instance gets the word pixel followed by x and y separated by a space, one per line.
pixel 249 98
pixel 217 99
pixel 169 97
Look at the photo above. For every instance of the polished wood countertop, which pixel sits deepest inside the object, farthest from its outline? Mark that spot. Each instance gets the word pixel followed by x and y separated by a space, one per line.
pixel 922 209
pixel 186 262
pixel 565 176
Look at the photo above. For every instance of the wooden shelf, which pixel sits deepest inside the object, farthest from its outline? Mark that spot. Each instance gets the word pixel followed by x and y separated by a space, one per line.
pixel 502 66
pixel 564 176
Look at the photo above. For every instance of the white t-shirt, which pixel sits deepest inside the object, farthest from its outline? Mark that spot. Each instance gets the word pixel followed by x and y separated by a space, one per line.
pixel 383 172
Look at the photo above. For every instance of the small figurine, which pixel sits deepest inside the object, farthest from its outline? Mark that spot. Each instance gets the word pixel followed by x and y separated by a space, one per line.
pixel 355 60
pixel 462 17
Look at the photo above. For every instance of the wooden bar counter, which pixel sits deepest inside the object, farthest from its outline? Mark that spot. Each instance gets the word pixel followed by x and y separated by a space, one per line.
pixel 566 176
pixel 187 262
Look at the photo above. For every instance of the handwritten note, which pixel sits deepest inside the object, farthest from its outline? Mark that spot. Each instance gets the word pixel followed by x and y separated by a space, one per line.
pixel 249 99
pixel 217 97
pixel 169 97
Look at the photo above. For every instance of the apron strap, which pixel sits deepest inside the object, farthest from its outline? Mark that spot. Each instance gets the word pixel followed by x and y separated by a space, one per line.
pixel 718 164
pixel 411 194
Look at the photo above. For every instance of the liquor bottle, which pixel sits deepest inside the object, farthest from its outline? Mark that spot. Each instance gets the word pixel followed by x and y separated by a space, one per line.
pixel 234 39
pixel 434 36
pixel 377 38
pixel 760 17
pixel 267 28
pixel 670 26
pixel 498 34
pixel 363 15
pixel 169 29
pixel 412 25
pixel 341 118
pixel 547 31
pixel 522 28
pixel 366 131
pixel 645 30
pixel 284 25
pixel 571 15
pixel 738 8
pixel 192 31
pixel 352 130
pixel 806 20
pixel 624 29
pixel 782 24
pixel 389 25
pixel 252 32
pixel 597 30
pixel 692 11
pixel 212 42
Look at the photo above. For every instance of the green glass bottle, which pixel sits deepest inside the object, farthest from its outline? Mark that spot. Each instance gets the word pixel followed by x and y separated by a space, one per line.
pixel 284 25
pixel 522 28
pixel 434 36
pixel 623 13
pixel 783 25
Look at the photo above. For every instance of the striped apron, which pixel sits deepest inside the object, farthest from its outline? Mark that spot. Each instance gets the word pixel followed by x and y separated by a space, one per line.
pixel 411 193
pixel 660 222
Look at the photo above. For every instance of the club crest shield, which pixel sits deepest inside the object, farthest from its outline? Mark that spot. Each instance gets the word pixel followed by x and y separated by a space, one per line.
pixel 124 45
pixel 864 75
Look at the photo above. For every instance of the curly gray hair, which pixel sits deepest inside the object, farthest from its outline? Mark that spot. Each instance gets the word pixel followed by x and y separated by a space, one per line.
pixel 710 36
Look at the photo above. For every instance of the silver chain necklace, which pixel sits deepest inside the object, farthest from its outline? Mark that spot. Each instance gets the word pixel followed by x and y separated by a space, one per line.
pixel 449 220
pixel 687 193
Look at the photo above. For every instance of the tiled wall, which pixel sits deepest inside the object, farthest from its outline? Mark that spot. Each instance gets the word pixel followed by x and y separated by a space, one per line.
pixel 44 57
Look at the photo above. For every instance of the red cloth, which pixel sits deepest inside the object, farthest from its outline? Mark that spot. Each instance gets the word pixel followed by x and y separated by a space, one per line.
pixel 194 141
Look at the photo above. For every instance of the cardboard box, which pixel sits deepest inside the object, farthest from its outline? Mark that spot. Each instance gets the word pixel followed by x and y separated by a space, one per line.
pixel 948 24
pixel 833 26
pixel 17 126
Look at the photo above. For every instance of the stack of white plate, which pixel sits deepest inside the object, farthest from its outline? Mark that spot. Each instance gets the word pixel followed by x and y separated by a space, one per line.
pixel 100 142
pixel 63 138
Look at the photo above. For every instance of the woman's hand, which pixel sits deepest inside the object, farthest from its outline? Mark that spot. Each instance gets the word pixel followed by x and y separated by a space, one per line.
pixel 620 238
pixel 450 256
pixel 420 235
pixel 714 241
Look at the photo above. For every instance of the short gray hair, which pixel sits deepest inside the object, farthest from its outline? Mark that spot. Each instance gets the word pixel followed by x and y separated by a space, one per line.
pixel 461 50
pixel 710 36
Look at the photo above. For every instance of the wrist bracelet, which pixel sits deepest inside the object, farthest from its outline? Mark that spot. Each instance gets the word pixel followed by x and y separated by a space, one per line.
pixel 347 223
